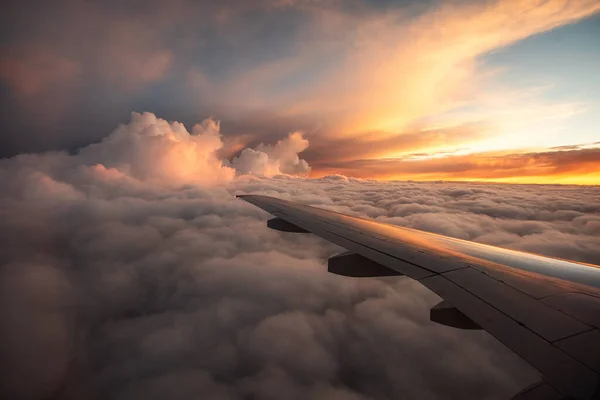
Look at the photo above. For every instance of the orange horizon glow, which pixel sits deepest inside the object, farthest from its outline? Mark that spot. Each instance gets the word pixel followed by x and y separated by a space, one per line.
pixel 579 180
pixel 380 92
pixel 379 114
pixel 579 166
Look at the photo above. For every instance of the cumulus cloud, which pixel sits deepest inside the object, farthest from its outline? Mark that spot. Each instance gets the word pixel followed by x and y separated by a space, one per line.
pixel 117 284
pixel 269 160
pixel 152 150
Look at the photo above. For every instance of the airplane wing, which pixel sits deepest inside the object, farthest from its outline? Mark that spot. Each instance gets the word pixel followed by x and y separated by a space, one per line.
pixel 546 310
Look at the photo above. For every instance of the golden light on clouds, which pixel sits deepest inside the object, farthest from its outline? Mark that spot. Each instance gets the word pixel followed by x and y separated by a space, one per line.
pixel 364 82
pixel 397 73
pixel 402 76
pixel 401 80
pixel 576 165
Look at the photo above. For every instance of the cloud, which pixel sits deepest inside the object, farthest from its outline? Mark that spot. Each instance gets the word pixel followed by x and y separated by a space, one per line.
pixel 374 145
pixel 33 73
pixel 117 284
pixel 395 67
pixel 153 150
pixel 375 72
pixel 577 166
pixel 272 160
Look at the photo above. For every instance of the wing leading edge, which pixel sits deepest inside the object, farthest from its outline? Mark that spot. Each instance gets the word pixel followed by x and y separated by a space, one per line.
pixel 546 310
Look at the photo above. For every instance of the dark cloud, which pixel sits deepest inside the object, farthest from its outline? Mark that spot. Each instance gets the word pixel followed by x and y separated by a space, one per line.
pixel 118 284
pixel 66 84
pixel 63 86
pixel 576 146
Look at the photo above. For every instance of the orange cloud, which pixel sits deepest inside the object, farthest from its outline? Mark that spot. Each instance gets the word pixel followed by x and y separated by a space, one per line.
pixel 394 70
pixel 378 144
pixel 572 166
pixel 404 72
pixel 362 81
pixel 393 73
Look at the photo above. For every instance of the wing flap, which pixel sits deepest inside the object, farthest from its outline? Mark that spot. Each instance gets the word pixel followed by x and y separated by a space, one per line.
pixel 584 307
pixel 540 318
pixel 564 373
pixel 584 347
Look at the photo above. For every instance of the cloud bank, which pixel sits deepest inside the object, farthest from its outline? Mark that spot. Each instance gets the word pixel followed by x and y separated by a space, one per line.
pixel 573 164
pixel 154 151
pixel 129 271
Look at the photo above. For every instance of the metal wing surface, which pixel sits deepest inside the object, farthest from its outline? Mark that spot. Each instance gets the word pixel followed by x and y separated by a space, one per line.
pixel 544 309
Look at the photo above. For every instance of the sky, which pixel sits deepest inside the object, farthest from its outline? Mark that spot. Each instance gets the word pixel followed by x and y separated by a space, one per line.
pixel 491 90
pixel 128 268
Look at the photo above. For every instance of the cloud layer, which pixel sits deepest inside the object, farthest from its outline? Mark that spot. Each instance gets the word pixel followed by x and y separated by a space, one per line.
pixel 572 164
pixel 125 276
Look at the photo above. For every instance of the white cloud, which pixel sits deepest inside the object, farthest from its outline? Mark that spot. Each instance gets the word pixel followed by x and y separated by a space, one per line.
pixel 153 150
pixel 268 161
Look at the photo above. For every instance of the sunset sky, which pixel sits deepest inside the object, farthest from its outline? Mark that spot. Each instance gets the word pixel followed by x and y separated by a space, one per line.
pixel 504 90
pixel 129 268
